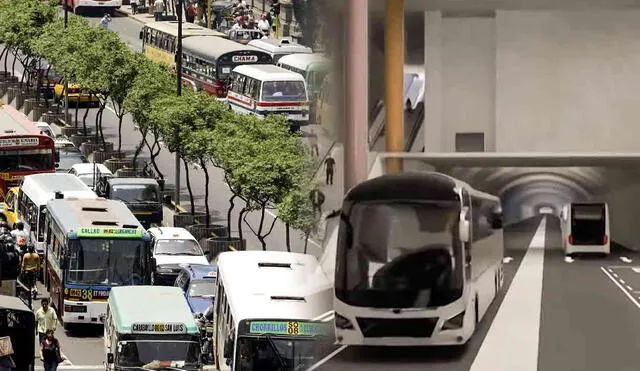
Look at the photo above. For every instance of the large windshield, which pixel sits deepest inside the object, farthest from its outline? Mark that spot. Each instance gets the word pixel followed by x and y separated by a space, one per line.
pixel 133 193
pixel 284 91
pixel 106 262
pixel 202 288
pixel 26 160
pixel 400 255
pixel 70 158
pixel 270 353
pixel 178 247
pixel 138 353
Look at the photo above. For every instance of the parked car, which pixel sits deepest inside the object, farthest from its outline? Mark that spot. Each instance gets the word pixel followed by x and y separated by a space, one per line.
pixel 172 246
pixel 198 282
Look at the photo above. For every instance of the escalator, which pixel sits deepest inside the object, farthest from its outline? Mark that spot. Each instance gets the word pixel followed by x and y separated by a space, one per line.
pixel 413 130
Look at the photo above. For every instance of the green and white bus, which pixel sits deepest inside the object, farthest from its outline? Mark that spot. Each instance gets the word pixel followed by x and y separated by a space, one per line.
pixel 152 328
pixel 314 68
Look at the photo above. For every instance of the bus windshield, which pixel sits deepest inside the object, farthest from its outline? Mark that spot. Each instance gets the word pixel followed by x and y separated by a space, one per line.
pixel 138 353
pixel 26 160
pixel 279 353
pixel 106 262
pixel 401 255
pixel 284 91
pixel 133 193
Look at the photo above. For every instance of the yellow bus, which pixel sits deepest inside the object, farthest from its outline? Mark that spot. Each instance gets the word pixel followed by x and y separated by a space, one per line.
pixel 159 39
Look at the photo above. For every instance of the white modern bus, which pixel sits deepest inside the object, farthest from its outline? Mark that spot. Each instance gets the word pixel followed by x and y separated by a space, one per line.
pixel 419 261
pixel 279 48
pixel 271 302
pixel 585 228
pixel 266 89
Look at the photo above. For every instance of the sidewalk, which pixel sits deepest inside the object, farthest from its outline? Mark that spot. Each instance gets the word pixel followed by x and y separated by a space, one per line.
pixel 143 18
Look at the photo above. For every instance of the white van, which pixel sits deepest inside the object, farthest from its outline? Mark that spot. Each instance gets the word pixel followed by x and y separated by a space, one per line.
pixel 585 228
pixel 266 89
pixel 279 48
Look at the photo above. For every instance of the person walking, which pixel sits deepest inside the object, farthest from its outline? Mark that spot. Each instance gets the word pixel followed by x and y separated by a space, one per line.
pixel 30 266
pixel 192 12
pixel 313 143
pixel 50 352
pixel 104 22
pixel 317 199
pixel 46 318
pixel 20 236
pixel 158 10
pixel 329 165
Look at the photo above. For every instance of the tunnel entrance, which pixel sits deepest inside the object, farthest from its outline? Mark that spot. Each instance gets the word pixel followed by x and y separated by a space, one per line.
pixel 534 182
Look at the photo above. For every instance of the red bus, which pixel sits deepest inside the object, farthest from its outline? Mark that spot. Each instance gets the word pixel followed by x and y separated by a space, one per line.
pixel 207 62
pixel 23 149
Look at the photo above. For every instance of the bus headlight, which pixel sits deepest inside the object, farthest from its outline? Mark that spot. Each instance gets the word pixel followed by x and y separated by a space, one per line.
pixel 164 270
pixel 342 322
pixel 454 323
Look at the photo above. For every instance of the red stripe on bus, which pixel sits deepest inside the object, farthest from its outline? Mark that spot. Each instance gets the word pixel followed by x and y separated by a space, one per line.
pixel 281 104
pixel 240 101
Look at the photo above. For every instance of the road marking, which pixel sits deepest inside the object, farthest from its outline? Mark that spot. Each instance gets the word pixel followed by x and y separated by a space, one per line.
pixel 633 300
pixel 622 281
pixel 614 274
pixel 76 367
pixel 629 287
pixel 568 259
pixel 625 259
pixel 515 330
pixel 327 358
pixel 636 269
pixel 507 260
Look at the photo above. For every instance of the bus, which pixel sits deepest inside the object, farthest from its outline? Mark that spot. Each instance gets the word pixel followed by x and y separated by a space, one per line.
pixel 418 262
pixel 207 62
pixel 267 89
pixel 274 301
pixel 279 48
pixel 314 68
pixel 23 149
pixel 36 191
pixel 98 244
pixel 160 39
pixel 81 6
pixel 585 228
pixel 150 327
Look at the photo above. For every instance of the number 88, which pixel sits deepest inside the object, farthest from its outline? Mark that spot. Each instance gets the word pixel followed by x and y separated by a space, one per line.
pixel 293 328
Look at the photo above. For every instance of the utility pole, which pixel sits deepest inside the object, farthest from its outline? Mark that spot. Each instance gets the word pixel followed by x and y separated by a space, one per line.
pixel 66 82
pixel 179 93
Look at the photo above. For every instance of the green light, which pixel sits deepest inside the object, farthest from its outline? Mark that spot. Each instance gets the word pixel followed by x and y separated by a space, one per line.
pixel 110 232
pixel 288 328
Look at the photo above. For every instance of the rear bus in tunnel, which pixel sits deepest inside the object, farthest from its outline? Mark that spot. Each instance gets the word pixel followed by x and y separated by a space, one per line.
pixel 585 228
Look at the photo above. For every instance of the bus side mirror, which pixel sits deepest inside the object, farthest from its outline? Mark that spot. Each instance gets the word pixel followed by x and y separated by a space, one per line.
pixel 110 358
pixel 463 227
pixel 228 349
pixel 154 264
pixel 496 221
pixel 141 35
pixel 57 157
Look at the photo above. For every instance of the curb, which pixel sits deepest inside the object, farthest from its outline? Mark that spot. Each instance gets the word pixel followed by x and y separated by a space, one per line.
pixel 128 15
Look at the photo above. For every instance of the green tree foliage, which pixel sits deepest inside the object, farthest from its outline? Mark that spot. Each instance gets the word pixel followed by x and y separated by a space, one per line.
pixel 296 210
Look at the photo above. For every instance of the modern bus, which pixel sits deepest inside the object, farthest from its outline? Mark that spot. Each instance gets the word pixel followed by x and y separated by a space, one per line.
pixel 418 262
pixel 585 228
pixel 314 68
pixel 36 191
pixel 98 244
pixel 151 328
pixel 23 149
pixel 207 62
pixel 81 6
pixel 271 301
pixel 279 48
pixel 160 39
pixel 267 89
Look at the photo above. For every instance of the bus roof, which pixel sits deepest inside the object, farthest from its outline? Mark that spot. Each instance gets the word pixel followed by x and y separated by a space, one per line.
pixel 42 187
pixel 280 46
pixel 13 122
pixel 268 72
pixel 212 47
pixel 97 215
pixel 302 60
pixel 274 285
pixel 13 303
pixel 188 29
pixel 131 305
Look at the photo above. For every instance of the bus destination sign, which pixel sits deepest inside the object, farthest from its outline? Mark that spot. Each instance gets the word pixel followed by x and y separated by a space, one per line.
pixel 110 232
pixel 86 293
pixel 18 142
pixel 289 328
pixel 159 328
pixel 244 58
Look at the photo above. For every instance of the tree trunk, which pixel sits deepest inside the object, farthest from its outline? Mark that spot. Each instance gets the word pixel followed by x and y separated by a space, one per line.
pixel 139 147
pixel 99 132
pixel 4 54
pixel 259 234
pixel 287 236
pixel 77 110
pixel 188 181
pixel 13 65
pixel 240 216
pixel 84 118
pixel 306 241
pixel 24 69
pixel 206 192
pixel 153 153
pixel 6 60
pixel 120 117
pixel 231 202
pixel 46 98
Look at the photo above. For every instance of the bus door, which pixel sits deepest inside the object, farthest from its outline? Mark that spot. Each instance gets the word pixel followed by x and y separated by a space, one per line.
pixel 588 224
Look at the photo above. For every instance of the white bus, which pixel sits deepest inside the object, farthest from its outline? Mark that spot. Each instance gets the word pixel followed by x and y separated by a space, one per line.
pixel 271 302
pixel 419 261
pixel 314 68
pixel 37 190
pixel 585 228
pixel 266 89
pixel 279 48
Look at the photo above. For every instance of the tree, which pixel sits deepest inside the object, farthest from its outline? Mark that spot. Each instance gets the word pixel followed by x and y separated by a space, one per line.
pixel 121 81
pixel 307 14
pixel 296 210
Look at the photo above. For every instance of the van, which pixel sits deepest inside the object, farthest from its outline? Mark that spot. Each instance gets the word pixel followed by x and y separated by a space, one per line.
pixel 141 195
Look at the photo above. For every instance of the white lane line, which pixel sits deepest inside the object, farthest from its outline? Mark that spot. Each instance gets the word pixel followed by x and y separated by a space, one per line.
pixel 629 287
pixel 327 358
pixel 622 281
pixel 76 367
pixel 615 274
pixel 633 300
pixel 514 333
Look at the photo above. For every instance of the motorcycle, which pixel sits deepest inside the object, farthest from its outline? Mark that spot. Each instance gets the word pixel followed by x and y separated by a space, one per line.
pixel 206 339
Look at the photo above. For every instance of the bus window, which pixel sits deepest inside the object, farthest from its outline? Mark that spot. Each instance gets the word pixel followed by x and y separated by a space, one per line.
pixel 255 89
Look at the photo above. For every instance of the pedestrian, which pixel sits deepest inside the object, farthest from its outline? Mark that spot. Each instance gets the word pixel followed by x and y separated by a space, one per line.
pixel 104 22
pixel 50 352
pixel 158 10
pixel 313 143
pixel 317 199
pixel 46 318
pixel 263 25
pixel 192 11
pixel 20 236
pixel 30 267
pixel 329 164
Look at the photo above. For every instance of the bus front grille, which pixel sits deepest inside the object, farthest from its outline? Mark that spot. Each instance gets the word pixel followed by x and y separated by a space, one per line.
pixel 397 327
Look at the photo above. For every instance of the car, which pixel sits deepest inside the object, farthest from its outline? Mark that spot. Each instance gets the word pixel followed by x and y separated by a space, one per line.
pixel 63 143
pixel 76 95
pixel 86 171
pixel 198 282
pixel 45 129
pixel 172 246
pixel 69 157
